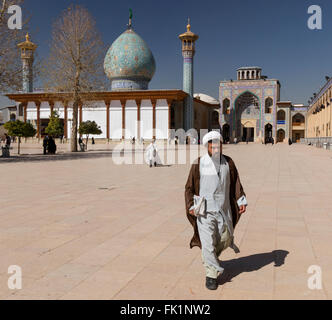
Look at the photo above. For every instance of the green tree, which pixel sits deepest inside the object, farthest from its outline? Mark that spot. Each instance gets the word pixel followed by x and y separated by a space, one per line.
pixel 55 127
pixel 20 130
pixel 88 128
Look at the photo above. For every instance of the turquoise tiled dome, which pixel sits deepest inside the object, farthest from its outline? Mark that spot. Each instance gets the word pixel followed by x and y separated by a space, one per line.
pixel 129 63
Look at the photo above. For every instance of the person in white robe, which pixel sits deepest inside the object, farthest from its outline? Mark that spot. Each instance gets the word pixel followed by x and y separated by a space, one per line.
pixel 215 225
pixel 152 154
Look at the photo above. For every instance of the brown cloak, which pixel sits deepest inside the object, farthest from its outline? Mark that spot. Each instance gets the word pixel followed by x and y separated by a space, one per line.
pixel 193 186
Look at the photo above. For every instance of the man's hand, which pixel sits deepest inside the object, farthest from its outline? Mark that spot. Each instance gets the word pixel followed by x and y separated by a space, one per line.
pixel 192 212
pixel 243 209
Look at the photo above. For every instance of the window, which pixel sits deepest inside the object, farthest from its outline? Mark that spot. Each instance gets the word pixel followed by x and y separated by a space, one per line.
pixel 226 106
pixel 268 105
pixel 281 115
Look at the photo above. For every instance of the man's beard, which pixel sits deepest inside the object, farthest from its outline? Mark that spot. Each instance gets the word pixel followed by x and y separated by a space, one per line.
pixel 215 156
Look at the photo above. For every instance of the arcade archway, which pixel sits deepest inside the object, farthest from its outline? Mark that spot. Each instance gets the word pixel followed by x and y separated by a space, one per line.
pixel 281 136
pixel 268 133
pixel 247 108
pixel 226 132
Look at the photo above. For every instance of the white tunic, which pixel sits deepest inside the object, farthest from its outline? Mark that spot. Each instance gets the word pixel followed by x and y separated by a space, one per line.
pixel 215 188
pixel 150 152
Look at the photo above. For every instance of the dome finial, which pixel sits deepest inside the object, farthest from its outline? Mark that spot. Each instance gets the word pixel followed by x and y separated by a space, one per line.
pixel 188 26
pixel 130 19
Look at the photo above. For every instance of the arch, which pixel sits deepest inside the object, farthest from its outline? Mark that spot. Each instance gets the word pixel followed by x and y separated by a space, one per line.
pixel 226 132
pixel 281 135
pixel 226 106
pixel 298 119
pixel 281 115
pixel 247 106
pixel 248 124
pixel 268 105
pixel 268 133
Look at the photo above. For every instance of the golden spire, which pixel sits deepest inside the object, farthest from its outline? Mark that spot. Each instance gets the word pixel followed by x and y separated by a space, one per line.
pixel 27 44
pixel 188 26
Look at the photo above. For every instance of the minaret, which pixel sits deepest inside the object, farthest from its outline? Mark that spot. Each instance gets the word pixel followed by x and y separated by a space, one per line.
pixel 27 55
pixel 188 51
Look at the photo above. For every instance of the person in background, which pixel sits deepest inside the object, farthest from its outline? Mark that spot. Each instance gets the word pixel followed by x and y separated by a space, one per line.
pixel 151 153
pixel 45 144
pixel 51 146
pixel 7 141
pixel 81 144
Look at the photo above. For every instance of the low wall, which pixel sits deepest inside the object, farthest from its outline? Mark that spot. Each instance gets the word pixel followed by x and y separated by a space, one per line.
pixel 318 142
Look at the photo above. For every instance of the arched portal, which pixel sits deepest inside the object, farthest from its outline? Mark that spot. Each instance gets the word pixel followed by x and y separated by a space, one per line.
pixel 248 132
pixel 268 133
pixel 281 135
pixel 247 110
pixel 299 119
pixel 298 130
pixel 281 116
pixel 226 132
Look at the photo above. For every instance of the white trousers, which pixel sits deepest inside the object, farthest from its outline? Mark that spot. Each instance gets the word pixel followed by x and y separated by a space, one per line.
pixel 215 238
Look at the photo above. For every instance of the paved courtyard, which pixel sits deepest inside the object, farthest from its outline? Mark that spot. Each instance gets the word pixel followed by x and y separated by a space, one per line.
pixel 88 229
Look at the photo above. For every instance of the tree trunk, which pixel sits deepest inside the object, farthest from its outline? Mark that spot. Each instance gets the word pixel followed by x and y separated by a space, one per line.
pixel 75 112
pixel 73 140
pixel 19 144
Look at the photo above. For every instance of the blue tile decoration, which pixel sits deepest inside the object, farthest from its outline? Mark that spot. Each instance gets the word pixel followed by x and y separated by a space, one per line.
pixel 129 63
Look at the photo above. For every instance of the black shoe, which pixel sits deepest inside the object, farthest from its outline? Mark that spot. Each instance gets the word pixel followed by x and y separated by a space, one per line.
pixel 211 284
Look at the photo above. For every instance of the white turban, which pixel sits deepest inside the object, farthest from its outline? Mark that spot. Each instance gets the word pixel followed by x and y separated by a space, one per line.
pixel 212 136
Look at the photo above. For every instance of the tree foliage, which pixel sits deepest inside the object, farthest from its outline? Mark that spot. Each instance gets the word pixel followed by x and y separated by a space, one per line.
pixel 55 127
pixel 89 128
pixel 20 130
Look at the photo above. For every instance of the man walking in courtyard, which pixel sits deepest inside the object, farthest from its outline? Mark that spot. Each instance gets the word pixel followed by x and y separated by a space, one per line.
pixel 152 153
pixel 215 200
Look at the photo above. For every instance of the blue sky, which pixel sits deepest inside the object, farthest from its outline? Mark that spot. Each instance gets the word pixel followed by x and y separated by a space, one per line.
pixel 267 33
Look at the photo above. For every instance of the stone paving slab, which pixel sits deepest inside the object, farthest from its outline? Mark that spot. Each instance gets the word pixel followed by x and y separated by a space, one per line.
pixel 88 229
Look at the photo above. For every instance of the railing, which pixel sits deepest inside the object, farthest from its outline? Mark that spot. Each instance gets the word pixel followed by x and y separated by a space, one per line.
pixel 298 124
pixel 318 142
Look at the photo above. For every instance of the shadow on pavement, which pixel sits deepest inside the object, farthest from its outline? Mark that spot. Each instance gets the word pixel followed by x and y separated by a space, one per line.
pixel 61 157
pixel 235 267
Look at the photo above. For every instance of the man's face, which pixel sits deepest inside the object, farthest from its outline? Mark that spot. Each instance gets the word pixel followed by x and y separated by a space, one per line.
pixel 215 149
